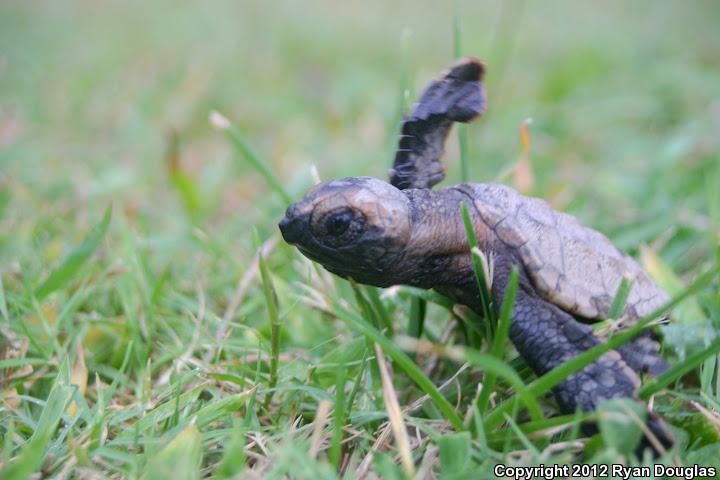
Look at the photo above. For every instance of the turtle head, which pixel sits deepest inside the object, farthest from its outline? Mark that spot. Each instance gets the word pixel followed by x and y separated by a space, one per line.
pixel 355 227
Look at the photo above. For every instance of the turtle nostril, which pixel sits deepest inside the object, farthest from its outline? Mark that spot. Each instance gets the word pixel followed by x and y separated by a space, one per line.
pixel 291 228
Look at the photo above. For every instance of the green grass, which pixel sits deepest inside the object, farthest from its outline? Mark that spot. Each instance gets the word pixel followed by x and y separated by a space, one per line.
pixel 141 333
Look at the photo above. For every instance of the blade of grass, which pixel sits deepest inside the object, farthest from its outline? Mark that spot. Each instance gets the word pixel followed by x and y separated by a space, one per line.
pixel 220 122
pixel 403 361
pixel 8 442
pixel 416 323
pixel 678 370
pixel 534 430
pixel 483 361
pixel 72 263
pixel 233 459
pixel 431 296
pixel 544 424
pixel 707 374
pixel 457 31
pixel 182 181
pixel 180 459
pixel 356 386
pixel 470 324
pixel 404 93
pixel 560 373
pixel 219 408
pixel 5 198
pixel 482 281
pixel 406 85
pixel 321 415
pixel 78 377
pixel 272 307
pixel 251 421
pixel 500 339
pixel 462 129
pixel 519 435
pixel 689 312
pixel 618 304
pixel 497 368
pixel 21 362
pixel 368 313
pixel 41 347
pixel 392 406
pixel 364 307
pixel 463 142
pixel 335 452
pixel 455 452
pixel 477 427
pixel 713 203
pixel 379 307
pixel 163 411
pixel 3 301
pixel 468 321
pixel 32 454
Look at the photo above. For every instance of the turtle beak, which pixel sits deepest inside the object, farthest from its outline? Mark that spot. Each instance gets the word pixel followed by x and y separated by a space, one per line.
pixel 294 226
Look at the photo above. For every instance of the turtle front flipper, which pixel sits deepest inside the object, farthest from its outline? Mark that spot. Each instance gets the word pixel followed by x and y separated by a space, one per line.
pixel 547 337
pixel 457 96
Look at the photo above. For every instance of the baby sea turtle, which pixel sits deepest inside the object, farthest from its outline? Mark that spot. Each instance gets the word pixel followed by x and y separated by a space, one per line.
pixel 404 233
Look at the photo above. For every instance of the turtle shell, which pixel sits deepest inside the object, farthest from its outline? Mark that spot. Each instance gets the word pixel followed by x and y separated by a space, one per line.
pixel 575 267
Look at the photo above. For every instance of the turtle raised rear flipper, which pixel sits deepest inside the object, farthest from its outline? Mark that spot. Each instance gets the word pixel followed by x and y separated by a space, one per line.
pixel 458 95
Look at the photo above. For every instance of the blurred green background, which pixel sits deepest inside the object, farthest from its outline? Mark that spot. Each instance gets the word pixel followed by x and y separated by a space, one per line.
pixel 107 103
pixel 624 97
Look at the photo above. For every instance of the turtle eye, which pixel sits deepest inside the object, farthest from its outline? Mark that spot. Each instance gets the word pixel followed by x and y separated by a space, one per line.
pixel 338 222
pixel 338 227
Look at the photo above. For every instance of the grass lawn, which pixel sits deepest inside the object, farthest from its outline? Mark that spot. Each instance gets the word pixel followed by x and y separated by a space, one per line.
pixel 152 321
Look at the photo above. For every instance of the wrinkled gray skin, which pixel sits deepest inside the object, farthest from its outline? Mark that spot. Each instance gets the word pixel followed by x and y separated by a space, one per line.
pixel 380 234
